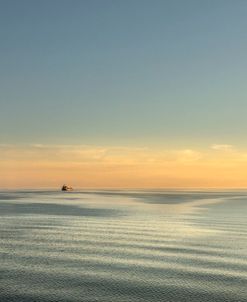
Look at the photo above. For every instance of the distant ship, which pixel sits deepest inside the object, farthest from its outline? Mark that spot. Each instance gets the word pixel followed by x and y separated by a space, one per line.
pixel 66 188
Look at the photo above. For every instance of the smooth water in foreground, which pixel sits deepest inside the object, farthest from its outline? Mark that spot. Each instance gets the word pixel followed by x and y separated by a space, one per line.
pixel 123 246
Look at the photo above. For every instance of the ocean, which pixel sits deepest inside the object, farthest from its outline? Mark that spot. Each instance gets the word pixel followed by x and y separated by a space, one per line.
pixel 123 246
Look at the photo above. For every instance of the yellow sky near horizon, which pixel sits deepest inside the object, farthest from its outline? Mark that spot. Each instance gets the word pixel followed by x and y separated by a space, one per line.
pixel 36 166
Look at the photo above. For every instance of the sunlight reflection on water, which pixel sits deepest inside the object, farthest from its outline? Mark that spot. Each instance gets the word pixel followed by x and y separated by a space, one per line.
pixel 123 246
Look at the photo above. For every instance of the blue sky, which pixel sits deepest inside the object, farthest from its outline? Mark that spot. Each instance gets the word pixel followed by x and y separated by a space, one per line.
pixel 123 72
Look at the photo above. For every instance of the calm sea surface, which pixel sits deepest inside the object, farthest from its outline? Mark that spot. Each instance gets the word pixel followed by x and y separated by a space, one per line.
pixel 165 246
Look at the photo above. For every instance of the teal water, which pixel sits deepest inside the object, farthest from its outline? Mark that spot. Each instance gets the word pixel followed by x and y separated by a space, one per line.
pixel 123 246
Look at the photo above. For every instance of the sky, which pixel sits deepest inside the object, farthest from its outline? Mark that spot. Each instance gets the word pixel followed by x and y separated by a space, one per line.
pixel 134 93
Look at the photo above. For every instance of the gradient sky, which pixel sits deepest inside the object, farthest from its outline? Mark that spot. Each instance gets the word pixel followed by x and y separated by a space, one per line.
pixel 167 77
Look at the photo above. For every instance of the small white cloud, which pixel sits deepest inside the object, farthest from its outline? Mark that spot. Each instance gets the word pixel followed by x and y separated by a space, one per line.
pixel 222 147
pixel 37 146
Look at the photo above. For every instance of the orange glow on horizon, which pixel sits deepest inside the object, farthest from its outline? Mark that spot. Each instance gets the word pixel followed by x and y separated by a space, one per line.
pixel 116 167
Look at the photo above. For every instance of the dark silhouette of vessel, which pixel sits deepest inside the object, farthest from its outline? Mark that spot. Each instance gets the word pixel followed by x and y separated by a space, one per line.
pixel 66 188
